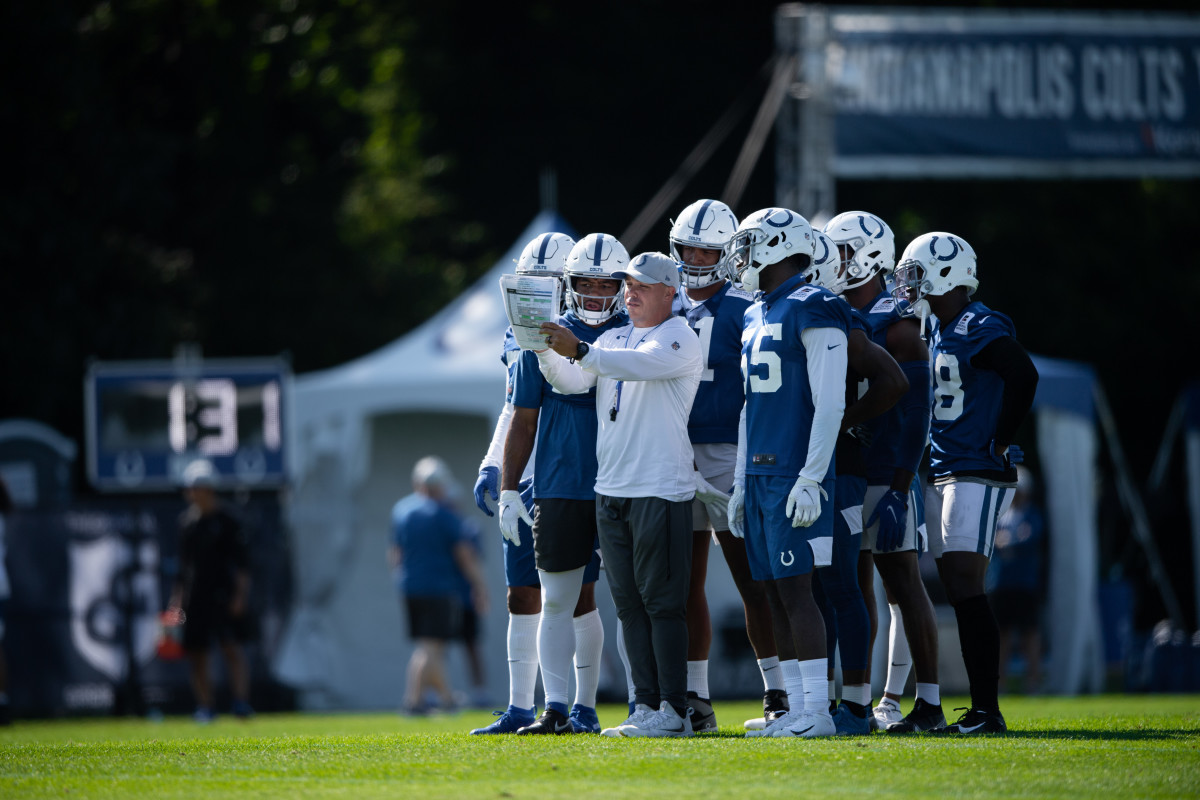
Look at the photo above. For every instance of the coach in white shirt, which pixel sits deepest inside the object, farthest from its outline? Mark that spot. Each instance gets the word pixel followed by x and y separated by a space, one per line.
pixel 646 375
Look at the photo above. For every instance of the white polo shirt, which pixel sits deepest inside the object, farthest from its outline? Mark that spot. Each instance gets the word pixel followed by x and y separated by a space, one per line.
pixel 649 377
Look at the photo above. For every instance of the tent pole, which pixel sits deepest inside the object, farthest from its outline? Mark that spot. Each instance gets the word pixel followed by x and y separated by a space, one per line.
pixel 1162 461
pixel 662 199
pixel 1132 502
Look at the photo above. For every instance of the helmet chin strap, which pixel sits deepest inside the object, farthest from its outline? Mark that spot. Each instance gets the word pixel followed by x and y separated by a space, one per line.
pixel 921 309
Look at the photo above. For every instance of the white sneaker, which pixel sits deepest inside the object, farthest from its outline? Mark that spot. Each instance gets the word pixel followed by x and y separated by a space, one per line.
pixel 756 724
pixel 662 723
pixel 884 714
pixel 810 725
pixel 769 728
pixel 640 712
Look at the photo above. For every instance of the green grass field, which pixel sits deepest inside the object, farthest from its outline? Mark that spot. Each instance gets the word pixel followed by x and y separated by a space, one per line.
pixel 1109 746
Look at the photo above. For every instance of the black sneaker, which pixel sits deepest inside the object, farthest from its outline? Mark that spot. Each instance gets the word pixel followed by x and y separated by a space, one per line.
pixel 975 721
pixel 704 719
pixel 550 722
pixel 923 717
pixel 775 704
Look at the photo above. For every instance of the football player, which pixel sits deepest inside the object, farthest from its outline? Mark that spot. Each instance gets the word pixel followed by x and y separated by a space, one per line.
pixel 984 384
pixel 794 366
pixel 564 523
pixel 892 539
pixel 715 309
pixel 847 623
pixel 544 256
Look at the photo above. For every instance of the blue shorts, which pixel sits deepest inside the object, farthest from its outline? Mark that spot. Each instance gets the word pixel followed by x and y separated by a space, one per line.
pixel 520 563
pixel 774 548
pixel 519 566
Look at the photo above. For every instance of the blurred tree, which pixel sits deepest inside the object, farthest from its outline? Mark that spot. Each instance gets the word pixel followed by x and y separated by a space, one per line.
pixel 254 177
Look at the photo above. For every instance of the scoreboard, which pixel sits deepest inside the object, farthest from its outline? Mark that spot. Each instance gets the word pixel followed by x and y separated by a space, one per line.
pixel 146 421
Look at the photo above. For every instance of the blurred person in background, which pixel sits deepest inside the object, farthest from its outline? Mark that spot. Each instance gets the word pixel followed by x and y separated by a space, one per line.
pixel 430 548
pixel 6 507
pixel 212 591
pixel 1015 581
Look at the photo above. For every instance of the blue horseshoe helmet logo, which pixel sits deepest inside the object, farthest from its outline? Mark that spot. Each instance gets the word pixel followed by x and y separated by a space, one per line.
pixel 862 223
pixel 933 249
pixel 784 224
pixel 824 255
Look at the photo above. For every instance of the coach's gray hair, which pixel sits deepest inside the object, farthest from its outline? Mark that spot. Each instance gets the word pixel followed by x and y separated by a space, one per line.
pixel 432 472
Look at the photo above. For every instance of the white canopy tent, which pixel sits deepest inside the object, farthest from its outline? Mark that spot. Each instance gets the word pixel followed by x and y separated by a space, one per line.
pixel 1068 446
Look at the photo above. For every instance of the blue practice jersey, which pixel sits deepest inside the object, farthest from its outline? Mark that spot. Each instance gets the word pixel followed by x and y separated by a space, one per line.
pixel 567 424
pixel 427 533
pixel 883 456
pixel 779 405
pixel 718 404
pixel 966 400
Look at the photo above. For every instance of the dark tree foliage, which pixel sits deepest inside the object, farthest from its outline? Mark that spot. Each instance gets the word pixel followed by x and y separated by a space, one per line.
pixel 253 177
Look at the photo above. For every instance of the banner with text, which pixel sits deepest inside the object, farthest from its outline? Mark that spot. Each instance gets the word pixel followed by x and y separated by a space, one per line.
pixel 1022 94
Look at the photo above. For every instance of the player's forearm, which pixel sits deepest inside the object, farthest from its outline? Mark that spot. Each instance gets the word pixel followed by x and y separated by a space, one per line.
pixel 915 409
pixel 886 384
pixel 739 467
pixel 1012 363
pixel 651 361
pixel 495 451
pixel 518 446
pixel 827 359
pixel 564 375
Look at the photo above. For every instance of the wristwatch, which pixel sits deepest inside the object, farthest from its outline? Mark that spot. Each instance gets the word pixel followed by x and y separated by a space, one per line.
pixel 581 350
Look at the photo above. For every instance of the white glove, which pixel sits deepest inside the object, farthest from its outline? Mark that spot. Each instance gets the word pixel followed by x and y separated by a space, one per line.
pixel 707 493
pixel 512 510
pixel 804 502
pixel 736 511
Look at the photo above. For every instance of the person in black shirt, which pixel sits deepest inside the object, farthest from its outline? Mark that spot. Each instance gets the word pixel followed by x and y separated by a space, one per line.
pixel 212 591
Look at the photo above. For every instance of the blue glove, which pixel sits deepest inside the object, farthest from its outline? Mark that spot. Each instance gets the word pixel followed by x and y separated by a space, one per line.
pixel 488 482
pixel 892 515
pixel 1010 458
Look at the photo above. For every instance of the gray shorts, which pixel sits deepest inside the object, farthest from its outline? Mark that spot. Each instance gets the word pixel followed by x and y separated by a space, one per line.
pixel 564 534
pixel 716 461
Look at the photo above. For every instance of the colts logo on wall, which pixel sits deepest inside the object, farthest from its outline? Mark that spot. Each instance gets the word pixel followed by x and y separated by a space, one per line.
pixel 114 590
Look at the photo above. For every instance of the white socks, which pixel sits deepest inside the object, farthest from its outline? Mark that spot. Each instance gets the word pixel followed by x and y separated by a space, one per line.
pixel 812 674
pixel 556 634
pixel 899 656
pixel 697 680
pixel 930 693
pixel 857 693
pixel 771 673
pixel 522 659
pixel 589 651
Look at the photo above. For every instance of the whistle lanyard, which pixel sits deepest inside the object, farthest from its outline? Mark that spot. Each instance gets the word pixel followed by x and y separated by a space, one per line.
pixel 616 406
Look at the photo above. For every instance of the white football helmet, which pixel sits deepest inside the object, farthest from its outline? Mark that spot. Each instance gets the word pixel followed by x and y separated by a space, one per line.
pixel 708 224
pixel 933 264
pixel 871 242
pixel 597 255
pixel 767 237
pixel 826 267
pixel 545 255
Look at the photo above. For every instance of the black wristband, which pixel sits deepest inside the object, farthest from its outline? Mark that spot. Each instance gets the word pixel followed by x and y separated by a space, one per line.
pixel 581 350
